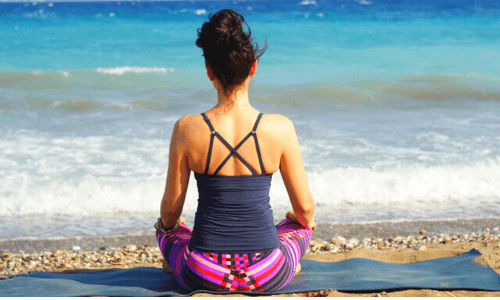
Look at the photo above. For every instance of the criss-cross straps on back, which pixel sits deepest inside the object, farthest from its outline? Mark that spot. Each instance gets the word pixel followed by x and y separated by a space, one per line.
pixel 233 150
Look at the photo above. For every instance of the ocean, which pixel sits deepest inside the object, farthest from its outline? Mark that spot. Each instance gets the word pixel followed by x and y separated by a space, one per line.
pixel 396 105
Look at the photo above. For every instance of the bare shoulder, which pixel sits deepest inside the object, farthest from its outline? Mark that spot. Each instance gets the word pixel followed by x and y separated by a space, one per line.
pixel 187 121
pixel 279 124
pixel 190 123
pixel 188 127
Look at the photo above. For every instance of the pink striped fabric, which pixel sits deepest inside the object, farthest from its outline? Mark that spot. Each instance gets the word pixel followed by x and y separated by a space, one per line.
pixel 256 272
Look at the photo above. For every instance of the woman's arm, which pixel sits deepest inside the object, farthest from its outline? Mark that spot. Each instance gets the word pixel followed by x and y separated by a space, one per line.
pixel 177 176
pixel 294 176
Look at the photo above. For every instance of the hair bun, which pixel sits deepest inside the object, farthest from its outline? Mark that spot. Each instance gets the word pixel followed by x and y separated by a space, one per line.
pixel 227 48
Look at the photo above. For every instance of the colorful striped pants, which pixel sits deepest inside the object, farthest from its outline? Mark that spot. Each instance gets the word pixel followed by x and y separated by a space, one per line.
pixel 256 272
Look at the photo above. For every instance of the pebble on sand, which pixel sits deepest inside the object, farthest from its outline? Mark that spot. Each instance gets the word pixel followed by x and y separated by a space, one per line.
pixel 12 264
pixel 421 248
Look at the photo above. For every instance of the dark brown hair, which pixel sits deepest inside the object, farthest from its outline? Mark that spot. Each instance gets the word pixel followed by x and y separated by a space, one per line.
pixel 227 48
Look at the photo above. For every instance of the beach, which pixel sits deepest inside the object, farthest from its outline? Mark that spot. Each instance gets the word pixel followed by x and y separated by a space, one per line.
pixel 395 105
pixel 88 255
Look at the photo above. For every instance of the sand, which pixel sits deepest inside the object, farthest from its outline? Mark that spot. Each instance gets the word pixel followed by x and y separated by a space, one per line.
pixel 488 245
pixel 324 231
pixel 490 255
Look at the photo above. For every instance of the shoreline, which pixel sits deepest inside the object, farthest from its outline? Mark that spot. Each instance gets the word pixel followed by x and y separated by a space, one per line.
pixel 324 231
pixel 420 246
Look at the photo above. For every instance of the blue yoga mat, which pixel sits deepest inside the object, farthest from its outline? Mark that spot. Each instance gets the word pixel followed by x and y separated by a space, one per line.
pixel 357 274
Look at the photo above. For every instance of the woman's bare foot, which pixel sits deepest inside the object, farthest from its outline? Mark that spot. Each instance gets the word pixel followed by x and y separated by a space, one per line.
pixel 299 267
pixel 166 268
pixel 181 220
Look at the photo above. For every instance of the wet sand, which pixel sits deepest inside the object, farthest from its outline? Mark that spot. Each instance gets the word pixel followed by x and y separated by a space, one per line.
pixel 323 232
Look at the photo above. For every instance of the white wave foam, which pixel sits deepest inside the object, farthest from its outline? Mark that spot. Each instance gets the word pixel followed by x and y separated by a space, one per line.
pixel 364 2
pixel 73 175
pixel 200 12
pixel 97 190
pixel 308 2
pixel 136 70
pixel 480 180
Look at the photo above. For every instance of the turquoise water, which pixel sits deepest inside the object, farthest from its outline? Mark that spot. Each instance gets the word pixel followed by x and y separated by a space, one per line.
pixel 396 105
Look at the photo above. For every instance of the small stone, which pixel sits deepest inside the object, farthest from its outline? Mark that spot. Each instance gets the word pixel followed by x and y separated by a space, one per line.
pixel 76 248
pixel 354 241
pixel 421 248
pixel 131 247
pixel 423 232
pixel 496 229
pixel 399 238
pixel 338 240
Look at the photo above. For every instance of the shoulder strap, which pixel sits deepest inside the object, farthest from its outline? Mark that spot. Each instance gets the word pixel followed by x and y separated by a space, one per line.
pixel 254 133
pixel 233 150
pixel 211 141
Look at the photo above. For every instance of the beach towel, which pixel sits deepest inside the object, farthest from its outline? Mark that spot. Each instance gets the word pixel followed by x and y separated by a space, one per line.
pixel 352 275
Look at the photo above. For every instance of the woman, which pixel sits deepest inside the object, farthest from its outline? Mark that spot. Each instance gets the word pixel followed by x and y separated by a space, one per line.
pixel 234 244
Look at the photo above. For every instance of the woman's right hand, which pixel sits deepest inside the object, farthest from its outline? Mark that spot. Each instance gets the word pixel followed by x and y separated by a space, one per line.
pixel 292 216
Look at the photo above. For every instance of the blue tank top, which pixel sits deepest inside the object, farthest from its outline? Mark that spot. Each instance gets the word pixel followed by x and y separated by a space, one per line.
pixel 234 214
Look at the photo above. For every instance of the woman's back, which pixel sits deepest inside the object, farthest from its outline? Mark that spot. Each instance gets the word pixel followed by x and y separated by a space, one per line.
pixel 234 214
pixel 234 126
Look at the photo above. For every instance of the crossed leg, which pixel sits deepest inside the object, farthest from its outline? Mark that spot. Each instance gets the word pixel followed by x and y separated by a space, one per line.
pixel 294 241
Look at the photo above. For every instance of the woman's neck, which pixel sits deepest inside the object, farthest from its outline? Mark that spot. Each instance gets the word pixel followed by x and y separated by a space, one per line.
pixel 236 99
